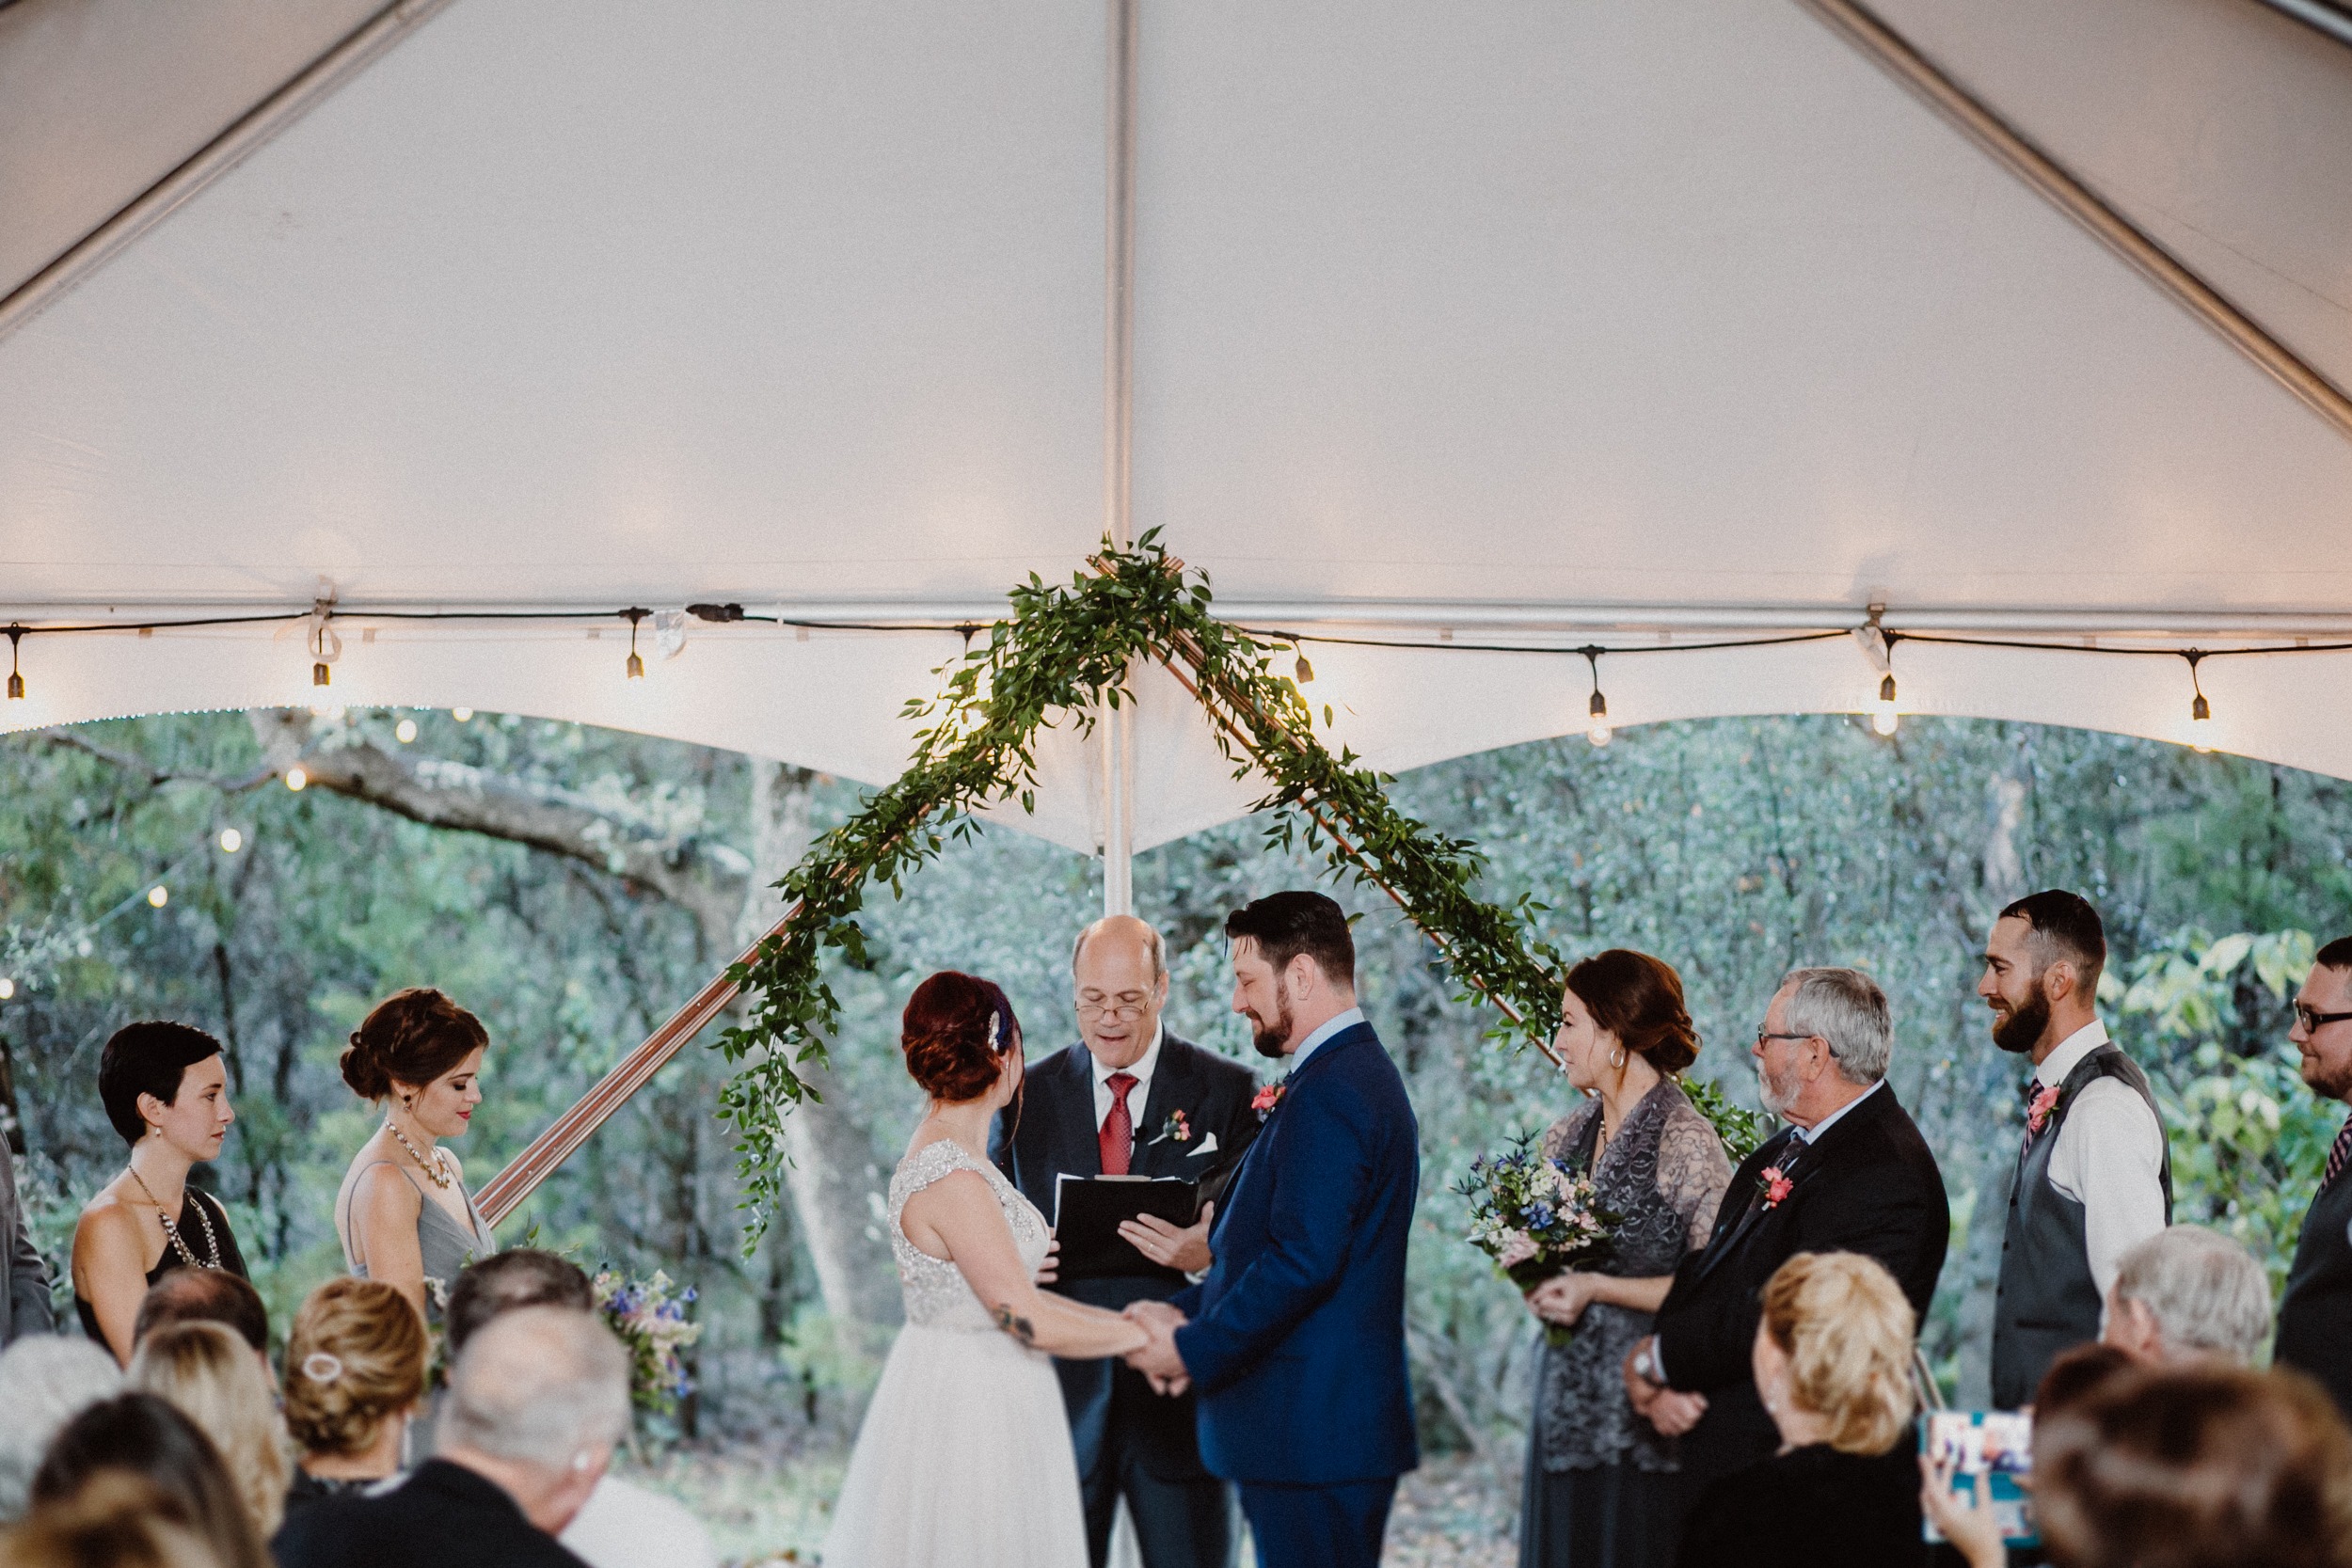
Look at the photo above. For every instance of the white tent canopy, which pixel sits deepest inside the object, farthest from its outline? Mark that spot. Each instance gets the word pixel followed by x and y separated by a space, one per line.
pixel 1629 323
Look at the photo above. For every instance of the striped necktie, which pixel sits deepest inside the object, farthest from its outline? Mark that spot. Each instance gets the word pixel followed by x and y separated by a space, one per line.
pixel 2339 1156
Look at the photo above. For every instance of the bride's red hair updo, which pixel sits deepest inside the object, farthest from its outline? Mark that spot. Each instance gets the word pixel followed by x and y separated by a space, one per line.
pixel 945 1033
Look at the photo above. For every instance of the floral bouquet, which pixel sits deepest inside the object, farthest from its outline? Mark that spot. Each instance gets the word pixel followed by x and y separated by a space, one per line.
pixel 1536 1218
pixel 649 1315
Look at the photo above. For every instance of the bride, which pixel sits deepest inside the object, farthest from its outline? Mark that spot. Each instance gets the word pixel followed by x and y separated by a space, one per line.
pixel 965 1456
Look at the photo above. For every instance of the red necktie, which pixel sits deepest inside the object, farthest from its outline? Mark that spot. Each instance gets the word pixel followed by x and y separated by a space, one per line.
pixel 1119 1129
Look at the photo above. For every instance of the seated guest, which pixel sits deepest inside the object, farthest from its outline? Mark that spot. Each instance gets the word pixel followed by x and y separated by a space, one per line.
pixel 1966 1517
pixel 116 1520
pixel 2205 1467
pixel 1833 1367
pixel 623 1524
pixel 204 1296
pixel 146 1436
pixel 2075 1374
pixel 212 1379
pixel 44 1381
pixel 354 1373
pixel 2188 1294
pixel 536 1405
pixel 166 1089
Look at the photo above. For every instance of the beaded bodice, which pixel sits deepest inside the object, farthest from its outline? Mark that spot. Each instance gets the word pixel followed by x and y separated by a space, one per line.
pixel 934 1289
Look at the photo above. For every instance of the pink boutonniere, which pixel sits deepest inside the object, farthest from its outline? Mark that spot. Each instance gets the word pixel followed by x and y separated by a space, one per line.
pixel 1176 1129
pixel 1773 1184
pixel 2040 1109
pixel 1266 1099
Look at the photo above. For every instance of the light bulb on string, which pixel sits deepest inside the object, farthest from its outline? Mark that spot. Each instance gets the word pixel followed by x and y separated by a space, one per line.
pixel 1883 718
pixel 230 841
pixel 16 681
pixel 159 895
pixel 406 731
pixel 2200 710
pixel 8 988
pixel 462 715
pixel 1304 671
pixel 636 665
pixel 327 646
pixel 296 780
pixel 1597 728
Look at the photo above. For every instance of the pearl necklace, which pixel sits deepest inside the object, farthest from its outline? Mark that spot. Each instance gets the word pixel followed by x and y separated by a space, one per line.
pixel 171 1230
pixel 433 1168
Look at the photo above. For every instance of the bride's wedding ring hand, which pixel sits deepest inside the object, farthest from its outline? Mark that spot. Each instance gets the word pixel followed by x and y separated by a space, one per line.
pixel 1185 1249
pixel 1050 1269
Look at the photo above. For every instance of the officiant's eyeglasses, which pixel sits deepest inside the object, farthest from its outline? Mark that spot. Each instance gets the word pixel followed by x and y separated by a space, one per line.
pixel 2311 1020
pixel 1123 1011
pixel 1763 1034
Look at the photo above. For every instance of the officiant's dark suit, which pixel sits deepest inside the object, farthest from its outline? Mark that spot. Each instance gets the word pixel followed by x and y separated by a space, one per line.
pixel 1128 1438
pixel 1865 1183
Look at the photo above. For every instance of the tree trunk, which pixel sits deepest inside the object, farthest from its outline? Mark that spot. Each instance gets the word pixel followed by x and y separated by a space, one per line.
pixel 836 1180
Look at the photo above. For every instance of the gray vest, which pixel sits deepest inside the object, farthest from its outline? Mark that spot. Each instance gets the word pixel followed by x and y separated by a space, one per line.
pixel 2316 1314
pixel 2048 1301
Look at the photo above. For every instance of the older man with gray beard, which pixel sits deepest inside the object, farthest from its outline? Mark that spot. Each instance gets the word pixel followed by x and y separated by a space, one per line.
pixel 1850 1173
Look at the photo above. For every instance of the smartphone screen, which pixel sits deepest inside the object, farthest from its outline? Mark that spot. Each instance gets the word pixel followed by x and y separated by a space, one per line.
pixel 1995 1444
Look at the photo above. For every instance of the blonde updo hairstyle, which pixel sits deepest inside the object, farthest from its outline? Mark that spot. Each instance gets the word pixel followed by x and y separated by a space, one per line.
pixel 413 1037
pixel 355 1360
pixel 210 1376
pixel 1847 1329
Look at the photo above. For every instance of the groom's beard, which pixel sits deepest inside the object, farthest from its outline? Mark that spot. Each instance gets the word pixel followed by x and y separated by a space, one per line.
pixel 2020 1031
pixel 1270 1037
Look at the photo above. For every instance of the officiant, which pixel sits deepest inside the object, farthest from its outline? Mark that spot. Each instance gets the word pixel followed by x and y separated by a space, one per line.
pixel 1131 1099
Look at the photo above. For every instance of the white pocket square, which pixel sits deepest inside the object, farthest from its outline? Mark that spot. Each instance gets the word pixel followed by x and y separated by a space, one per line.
pixel 1208 1145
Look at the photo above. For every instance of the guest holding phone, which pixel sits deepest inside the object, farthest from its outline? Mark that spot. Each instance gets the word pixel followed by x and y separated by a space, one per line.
pixel 404 1213
pixel 166 1089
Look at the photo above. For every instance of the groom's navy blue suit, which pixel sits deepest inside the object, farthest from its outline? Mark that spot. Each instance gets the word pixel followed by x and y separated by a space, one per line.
pixel 1296 1342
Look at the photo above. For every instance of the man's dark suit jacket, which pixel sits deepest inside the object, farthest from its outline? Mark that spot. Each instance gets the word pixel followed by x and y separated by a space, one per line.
pixel 444 1515
pixel 1871 1187
pixel 1057 1134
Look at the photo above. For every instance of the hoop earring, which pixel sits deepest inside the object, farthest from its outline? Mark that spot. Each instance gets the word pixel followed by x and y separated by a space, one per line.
pixel 1617 1058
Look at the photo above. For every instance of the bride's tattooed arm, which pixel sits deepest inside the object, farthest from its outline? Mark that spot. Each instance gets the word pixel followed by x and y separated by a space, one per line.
pixel 1016 1325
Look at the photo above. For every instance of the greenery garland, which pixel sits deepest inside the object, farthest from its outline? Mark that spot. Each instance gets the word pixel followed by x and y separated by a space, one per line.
pixel 1062 650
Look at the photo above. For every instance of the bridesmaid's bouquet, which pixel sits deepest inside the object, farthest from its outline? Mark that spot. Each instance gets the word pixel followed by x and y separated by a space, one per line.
pixel 1536 1218
pixel 649 1315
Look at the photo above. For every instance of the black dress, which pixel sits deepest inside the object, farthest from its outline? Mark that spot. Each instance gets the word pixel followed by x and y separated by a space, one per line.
pixel 1811 1508
pixel 1604 1489
pixel 191 1231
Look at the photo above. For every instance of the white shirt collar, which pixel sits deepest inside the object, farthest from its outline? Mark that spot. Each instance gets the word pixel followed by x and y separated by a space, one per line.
pixel 1347 1019
pixel 1810 1134
pixel 1140 1069
pixel 2071 1050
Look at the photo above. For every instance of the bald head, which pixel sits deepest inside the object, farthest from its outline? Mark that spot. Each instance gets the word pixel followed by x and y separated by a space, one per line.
pixel 539 1385
pixel 1119 980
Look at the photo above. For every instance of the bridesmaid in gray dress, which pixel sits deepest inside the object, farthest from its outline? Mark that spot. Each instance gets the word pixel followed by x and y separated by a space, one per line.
pixel 404 1213
pixel 1601 1480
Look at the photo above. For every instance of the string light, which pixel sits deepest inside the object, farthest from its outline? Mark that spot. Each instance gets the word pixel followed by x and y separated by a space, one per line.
pixel 636 665
pixel 16 681
pixel 1304 671
pixel 1597 728
pixel 296 779
pixel 8 988
pixel 2200 710
pixel 406 731
pixel 230 841
pixel 327 645
pixel 159 895
pixel 462 714
pixel 1885 719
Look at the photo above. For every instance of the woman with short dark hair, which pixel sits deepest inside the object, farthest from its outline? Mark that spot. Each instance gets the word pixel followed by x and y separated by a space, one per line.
pixel 404 1213
pixel 1602 1484
pixel 166 1089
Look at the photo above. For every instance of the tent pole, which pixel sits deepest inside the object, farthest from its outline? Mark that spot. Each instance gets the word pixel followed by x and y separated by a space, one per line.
pixel 1117 729
pixel 2007 146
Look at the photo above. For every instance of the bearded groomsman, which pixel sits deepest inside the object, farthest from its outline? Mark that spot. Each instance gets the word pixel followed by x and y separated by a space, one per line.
pixel 2316 1314
pixel 1131 1099
pixel 2093 1177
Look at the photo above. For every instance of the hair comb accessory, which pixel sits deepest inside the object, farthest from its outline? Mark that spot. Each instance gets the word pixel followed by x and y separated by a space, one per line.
pixel 996 1027
pixel 322 1368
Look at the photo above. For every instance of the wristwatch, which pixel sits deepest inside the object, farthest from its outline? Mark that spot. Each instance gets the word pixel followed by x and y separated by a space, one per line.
pixel 1646 1362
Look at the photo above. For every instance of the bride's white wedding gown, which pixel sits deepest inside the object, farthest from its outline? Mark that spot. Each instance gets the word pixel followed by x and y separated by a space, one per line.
pixel 964 1458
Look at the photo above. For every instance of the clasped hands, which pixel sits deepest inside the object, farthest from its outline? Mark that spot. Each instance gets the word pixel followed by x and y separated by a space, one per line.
pixel 1157 1358
pixel 1670 1410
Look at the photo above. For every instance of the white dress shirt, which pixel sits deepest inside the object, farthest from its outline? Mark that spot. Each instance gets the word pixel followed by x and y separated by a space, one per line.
pixel 1810 1135
pixel 1139 1092
pixel 1347 1019
pixel 2107 1158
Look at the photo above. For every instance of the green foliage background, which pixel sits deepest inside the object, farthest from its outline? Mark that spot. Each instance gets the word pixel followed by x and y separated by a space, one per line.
pixel 1735 848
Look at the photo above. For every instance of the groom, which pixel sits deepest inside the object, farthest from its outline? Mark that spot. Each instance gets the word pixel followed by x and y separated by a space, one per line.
pixel 1295 1341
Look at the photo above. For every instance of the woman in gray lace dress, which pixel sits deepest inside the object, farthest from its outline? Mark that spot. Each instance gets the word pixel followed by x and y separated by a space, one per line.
pixel 1600 1481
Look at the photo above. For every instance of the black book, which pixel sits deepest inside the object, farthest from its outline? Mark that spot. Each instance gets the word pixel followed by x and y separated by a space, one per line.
pixel 1089 1210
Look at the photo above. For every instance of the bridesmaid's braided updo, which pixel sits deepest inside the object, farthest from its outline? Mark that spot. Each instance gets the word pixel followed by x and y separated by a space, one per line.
pixel 945 1034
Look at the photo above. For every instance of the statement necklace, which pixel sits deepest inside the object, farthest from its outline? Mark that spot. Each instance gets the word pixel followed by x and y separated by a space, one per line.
pixel 171 1230
pixel 432 1167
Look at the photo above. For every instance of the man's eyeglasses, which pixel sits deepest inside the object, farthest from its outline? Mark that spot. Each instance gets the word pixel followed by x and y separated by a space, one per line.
pixel 1763 1034
pixel 2311 1021
pixel 1123 1012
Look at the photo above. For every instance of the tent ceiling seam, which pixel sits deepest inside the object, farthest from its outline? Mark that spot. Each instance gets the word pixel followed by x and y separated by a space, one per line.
pixel 274 114
pixel 2009 147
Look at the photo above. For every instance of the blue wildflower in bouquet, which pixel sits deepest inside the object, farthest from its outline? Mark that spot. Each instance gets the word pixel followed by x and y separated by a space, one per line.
pixel 1536 1218
pixel 649 1315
